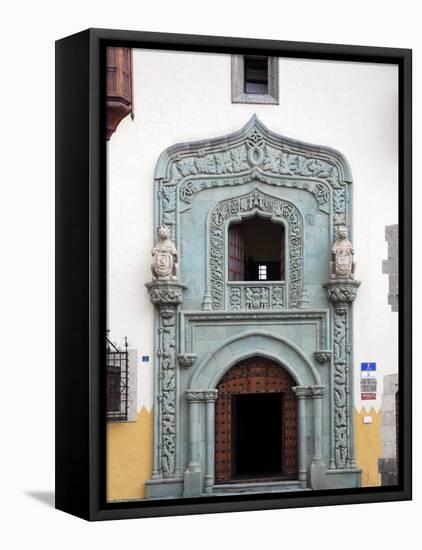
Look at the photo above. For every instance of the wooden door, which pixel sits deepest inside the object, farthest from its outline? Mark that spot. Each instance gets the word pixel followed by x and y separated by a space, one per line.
pixel 236 253
pixel 253 376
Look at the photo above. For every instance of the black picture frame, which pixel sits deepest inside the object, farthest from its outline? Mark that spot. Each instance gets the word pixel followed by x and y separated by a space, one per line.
pixel 81 275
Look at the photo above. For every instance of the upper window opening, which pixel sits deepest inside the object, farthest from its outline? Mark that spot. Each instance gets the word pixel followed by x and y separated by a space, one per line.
pixel 256 251
pixel 256 75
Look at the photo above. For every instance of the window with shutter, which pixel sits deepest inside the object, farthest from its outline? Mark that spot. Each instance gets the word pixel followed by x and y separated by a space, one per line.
pixel 119 87
pixel 236 254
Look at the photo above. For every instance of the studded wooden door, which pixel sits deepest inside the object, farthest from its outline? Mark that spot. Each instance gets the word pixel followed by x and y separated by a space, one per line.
pixel 253 376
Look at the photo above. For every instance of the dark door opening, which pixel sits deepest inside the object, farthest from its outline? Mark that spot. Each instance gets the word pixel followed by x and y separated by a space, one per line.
pixel 255 423
pixel 257 430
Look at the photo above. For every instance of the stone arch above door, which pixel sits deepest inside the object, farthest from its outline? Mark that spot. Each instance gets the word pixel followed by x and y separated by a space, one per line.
pixel 248 344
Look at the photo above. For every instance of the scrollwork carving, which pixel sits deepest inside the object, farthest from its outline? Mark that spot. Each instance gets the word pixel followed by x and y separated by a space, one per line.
pixel 166 292
pixel 168 389
pixel 342 293
pixel 166 295
pixel 256 298
pixel 256 154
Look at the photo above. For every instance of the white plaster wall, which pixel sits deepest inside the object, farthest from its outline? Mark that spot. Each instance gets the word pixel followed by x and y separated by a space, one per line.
pixel 186 96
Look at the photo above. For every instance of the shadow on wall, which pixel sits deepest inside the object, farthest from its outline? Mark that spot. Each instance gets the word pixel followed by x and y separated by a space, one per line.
pixel 45 497
pixel 129 457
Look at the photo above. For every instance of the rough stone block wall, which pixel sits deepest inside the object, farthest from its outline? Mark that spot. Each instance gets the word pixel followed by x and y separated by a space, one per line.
pixel 390 266
pixel 387 464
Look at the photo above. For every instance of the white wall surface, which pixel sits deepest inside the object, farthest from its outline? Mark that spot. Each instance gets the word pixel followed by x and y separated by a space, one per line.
pixel 181 97
pixel 27 275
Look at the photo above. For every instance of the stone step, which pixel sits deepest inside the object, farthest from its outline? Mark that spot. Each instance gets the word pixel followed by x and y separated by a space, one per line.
pixel 257 487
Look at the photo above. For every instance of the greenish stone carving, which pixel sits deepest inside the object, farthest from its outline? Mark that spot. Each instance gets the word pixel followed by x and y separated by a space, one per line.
pixel 209 324
pixel 186 360
pixel 256 295
pixel 341 294
pixel 166 296
pixel 253 153
pixel 323 356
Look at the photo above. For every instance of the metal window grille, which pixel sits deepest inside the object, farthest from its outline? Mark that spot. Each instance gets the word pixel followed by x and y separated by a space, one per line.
pixel 117 368
pixel 256 75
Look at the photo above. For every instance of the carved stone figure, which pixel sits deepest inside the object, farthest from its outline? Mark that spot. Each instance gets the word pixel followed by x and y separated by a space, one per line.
pixel 164 266
pixel 342 265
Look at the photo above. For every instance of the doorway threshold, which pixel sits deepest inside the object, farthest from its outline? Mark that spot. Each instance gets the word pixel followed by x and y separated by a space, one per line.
pixel 257 487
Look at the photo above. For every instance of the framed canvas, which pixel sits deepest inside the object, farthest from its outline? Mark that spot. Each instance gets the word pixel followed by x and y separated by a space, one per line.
pixel 233 220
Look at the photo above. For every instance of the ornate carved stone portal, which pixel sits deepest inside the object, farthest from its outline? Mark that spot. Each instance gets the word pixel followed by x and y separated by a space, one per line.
pixel 206 323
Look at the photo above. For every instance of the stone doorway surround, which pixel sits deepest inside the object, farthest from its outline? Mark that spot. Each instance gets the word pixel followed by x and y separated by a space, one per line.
pixel 205 324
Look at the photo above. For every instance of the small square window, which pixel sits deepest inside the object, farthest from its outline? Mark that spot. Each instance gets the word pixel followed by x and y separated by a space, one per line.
pixel 262 272
pixel 254 79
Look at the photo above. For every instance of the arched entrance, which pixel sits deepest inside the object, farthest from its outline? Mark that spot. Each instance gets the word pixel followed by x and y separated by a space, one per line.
pixel 255 423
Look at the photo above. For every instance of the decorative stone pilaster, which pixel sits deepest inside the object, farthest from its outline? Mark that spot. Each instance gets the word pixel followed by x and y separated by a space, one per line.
pixel 166 296
pixel 301 393
pixel 342 293
pixel 192 478
pixel 317 469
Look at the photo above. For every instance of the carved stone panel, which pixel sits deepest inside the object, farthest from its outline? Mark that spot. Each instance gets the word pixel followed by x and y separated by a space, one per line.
pixel 166 296
pixel 252 154
pixel 255 296
pixel 341 294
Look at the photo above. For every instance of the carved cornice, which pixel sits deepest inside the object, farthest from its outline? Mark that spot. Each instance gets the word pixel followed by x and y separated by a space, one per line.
pixel 165 293
pixel 323 355
pixel 250 315
pixel 341 293
pixel 200 396
pixel 254 153
pixel 186 360
pixel 320 316
pixel 306 392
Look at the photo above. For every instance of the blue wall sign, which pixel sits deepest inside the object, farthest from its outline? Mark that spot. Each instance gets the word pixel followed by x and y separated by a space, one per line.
pixel 368 366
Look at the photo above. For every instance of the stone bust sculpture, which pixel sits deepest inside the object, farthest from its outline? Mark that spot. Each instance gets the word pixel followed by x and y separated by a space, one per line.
pixel 164 266
pixel 342 264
